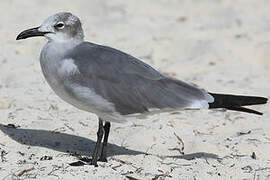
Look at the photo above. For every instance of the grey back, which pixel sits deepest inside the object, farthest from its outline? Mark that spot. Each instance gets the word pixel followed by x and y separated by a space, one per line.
pixel 130 84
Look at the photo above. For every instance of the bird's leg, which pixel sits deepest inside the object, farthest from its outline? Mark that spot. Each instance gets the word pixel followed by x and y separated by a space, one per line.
pixel 103 156
pixel 99 139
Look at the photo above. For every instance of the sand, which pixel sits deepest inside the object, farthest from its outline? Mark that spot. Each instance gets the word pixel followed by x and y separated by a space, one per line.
pixel 222 46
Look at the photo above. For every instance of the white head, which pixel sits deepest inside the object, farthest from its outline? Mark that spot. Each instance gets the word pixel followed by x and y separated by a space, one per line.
pixel 60 27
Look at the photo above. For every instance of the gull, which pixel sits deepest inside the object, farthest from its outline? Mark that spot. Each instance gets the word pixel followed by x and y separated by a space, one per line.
pixel 113 84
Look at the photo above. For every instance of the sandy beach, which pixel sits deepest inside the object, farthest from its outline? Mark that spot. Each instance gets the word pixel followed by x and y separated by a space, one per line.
pixel 222 46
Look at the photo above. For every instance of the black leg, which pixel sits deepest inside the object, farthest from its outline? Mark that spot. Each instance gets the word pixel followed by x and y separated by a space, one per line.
pixel 99 139
pixel 103 156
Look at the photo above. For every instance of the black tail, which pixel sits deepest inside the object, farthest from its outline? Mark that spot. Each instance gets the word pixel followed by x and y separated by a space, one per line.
pixel 235 102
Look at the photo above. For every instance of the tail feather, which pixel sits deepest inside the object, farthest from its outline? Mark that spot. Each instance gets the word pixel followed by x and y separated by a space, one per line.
pixel 235 102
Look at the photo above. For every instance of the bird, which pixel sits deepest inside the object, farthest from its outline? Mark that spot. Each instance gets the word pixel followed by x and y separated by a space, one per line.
pixel 113 84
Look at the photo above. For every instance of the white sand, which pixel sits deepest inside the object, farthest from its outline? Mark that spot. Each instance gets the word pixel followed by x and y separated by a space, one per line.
pixel 223 46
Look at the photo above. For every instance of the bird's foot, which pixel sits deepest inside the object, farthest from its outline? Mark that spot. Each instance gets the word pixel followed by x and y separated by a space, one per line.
pixel 94 163
pixel 85 161
pixel 102 159
pixel 89 161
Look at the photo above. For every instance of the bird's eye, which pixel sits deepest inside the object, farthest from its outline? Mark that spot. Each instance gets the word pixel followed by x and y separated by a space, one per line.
pixel 60 25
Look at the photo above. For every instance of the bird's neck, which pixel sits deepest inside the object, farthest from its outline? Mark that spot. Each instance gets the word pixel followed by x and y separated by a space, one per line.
pixel 61 47
pixel 53 51
pixel 66 42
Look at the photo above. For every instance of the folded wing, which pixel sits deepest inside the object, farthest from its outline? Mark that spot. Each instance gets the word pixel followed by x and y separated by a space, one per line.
pixel 129 84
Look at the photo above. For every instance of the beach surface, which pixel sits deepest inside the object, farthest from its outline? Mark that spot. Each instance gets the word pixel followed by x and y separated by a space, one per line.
pixel 219 45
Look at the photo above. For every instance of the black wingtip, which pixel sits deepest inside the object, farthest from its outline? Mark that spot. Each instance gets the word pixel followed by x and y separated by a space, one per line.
pixel 236 102
pixel 263 100
pixel 243 109
pixel 224 100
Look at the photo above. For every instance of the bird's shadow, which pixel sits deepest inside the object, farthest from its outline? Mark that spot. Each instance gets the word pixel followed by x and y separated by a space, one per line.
pixel 67 143
pixel 196 155
pixel 61 142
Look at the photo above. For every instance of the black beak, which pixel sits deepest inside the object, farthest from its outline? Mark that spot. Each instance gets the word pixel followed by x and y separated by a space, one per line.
pixel 33 32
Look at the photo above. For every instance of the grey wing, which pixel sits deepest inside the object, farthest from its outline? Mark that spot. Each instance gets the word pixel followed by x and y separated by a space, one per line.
pixel 131 85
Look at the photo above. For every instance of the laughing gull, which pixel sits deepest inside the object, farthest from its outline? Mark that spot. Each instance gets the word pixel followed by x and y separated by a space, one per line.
pixel 113 84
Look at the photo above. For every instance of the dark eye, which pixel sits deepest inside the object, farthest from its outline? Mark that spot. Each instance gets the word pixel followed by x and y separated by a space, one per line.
pixel 60 25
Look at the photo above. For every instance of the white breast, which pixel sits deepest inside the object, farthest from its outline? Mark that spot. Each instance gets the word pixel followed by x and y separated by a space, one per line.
pixel 57 71
pixel 67 68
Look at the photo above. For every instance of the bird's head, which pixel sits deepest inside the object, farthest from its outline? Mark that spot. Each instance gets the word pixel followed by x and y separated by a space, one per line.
pixel 60 27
